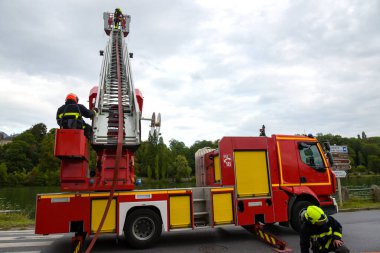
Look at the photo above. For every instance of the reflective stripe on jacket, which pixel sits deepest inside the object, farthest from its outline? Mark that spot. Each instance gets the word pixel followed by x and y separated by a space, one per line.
pixel 74 111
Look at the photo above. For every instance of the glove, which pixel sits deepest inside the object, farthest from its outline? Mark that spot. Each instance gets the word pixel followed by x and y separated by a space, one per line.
pixel 95 110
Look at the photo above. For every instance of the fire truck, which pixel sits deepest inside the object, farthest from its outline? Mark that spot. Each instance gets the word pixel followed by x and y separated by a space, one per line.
pixel 246 181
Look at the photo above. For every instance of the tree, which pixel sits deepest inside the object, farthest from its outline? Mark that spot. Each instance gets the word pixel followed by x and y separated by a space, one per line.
pixel 16 156
pixel 369 149
pixel 178 148
pixel 3 174
pixel 38 131
pixel 181 168
pixel 164 158
pixel 374 163
pixel 356 147
pixel 48 162
pixel 141 163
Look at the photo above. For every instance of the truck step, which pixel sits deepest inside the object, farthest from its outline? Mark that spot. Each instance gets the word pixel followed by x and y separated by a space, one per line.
pixel 200 213
pixel 201 225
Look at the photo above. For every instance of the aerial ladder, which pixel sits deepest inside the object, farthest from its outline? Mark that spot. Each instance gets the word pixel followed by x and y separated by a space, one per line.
pixel 117 125
pixel 116 128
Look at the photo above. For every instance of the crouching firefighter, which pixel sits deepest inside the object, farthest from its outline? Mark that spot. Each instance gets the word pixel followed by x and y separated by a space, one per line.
pixel 322 231
pixel 69 115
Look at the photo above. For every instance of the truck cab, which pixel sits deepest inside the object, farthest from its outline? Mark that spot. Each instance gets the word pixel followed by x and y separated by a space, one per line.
pixel 275 178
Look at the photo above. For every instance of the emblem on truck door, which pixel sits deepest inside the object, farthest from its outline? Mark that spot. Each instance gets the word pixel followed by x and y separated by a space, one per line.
pixel 227 160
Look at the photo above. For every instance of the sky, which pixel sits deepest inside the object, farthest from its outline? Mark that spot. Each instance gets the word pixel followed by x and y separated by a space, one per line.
pixel 212 68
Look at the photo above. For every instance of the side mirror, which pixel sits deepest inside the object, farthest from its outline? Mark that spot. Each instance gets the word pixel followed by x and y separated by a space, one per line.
pixel 331 160
pixel 327 146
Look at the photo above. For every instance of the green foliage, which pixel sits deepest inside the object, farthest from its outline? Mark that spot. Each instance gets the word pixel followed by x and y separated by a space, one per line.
pixel 181 168
pixel 364 151
pixel 3 174
pixel 149 172
pixel 18 220
pixel 48 162
pixel 373 163
pixel 29 159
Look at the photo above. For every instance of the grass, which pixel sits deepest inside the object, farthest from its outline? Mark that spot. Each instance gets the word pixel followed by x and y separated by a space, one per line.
pixel 356 203
pixel 17 220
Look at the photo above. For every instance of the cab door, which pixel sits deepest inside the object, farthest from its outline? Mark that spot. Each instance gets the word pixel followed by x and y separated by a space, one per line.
pixel 313 167
pixel 288 163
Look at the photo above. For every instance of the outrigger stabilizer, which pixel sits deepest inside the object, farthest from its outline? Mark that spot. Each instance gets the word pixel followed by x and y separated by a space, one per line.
pixel 268 238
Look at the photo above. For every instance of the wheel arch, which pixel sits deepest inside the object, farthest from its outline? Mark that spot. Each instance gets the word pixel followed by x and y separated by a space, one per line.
pixel 301 197
pixel 126 208
pixel 153 208
pixel 301 193
pixel 296 206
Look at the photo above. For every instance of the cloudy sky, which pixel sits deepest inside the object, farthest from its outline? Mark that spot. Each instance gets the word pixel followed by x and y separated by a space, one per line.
pixel 211 67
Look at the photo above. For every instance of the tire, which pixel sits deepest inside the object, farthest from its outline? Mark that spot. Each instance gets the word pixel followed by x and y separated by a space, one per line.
pixel 297 212
pixel 142 228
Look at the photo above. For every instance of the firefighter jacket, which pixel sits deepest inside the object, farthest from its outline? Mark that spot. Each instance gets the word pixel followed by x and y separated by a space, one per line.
pixel 320 236
pixel 70 115
pixel 118 15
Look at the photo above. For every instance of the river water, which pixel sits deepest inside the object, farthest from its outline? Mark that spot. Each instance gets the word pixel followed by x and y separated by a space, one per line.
pixel 24 198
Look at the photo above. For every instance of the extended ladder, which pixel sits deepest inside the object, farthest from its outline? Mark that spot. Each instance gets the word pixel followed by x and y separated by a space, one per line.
pixel 105 124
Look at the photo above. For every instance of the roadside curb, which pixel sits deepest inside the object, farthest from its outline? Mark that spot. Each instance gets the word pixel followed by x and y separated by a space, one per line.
pixel 357 209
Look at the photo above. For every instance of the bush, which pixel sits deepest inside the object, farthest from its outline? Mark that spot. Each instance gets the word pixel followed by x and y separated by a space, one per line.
pixel 361 169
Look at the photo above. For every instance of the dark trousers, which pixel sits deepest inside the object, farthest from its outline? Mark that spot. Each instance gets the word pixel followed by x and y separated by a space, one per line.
pixel 88 131
pixel 342 249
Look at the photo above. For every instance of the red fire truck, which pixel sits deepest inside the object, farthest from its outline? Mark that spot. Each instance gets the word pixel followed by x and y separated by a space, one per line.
pixel 246 181
pixel 274 178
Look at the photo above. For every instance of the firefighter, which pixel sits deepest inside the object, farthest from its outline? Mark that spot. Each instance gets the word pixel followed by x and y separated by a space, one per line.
pixel 117 16
pixel 322 231
pixel 69 115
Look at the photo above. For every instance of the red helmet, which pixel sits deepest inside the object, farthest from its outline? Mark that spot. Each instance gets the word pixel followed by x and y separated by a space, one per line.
pixel 72 96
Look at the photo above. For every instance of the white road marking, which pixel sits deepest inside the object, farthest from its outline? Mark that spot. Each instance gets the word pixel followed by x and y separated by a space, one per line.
pixel 30 231
pixel 28 237
pixel 25 244
pixel 23 252
pixel 25 238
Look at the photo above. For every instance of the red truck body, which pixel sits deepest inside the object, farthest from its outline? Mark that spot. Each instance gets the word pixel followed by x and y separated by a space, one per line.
pixel 246 181
pixel 272 173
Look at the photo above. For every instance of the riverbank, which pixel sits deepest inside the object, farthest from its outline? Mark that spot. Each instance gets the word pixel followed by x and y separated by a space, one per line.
pixel 17 220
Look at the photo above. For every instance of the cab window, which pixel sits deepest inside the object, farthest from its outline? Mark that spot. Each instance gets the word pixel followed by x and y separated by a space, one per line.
pixel 310 155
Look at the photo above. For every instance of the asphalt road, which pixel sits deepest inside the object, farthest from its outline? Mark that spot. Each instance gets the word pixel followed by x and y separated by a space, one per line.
pixel 360 232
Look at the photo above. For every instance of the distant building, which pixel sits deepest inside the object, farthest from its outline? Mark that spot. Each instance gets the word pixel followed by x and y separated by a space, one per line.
pixel 4 138
pixel 3 135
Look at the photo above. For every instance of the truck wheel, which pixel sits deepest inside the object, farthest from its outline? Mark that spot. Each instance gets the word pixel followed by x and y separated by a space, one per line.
pixel 142 228
pixel 298 210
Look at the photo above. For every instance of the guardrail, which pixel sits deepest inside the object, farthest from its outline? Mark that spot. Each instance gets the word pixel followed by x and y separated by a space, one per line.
pixel 362 192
